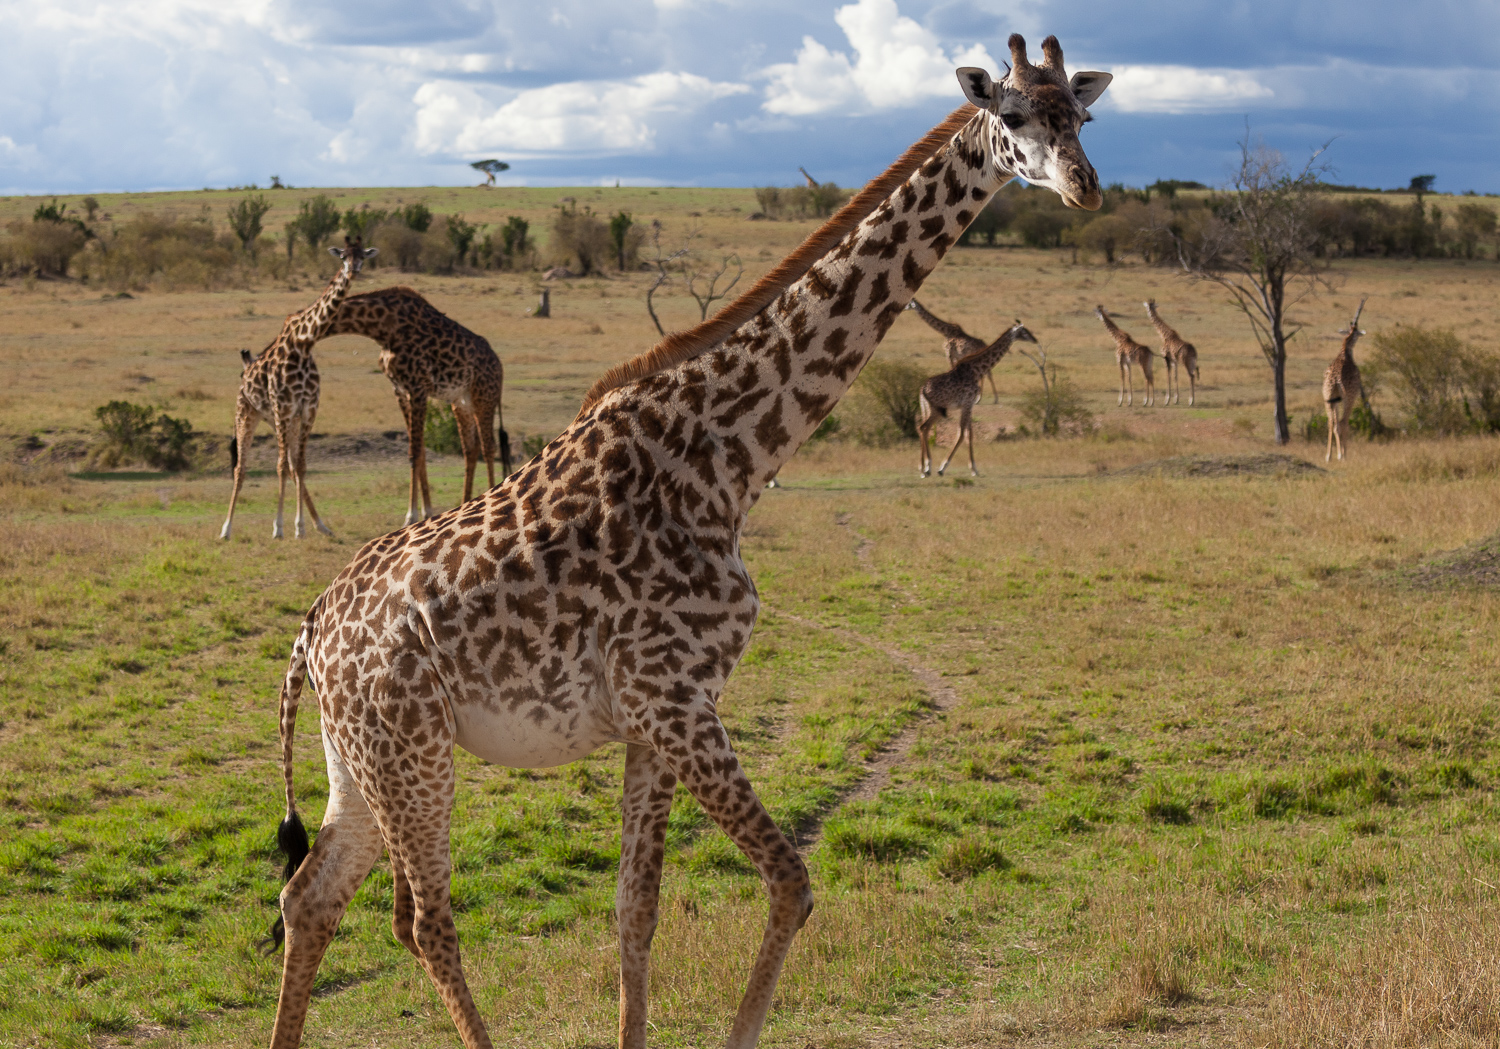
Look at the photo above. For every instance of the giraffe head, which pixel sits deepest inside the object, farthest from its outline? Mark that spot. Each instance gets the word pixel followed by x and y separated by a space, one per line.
pixel 1020 333
pixel 1352 333
pixel 1035 113
pixel 353 253
pixel 1150 305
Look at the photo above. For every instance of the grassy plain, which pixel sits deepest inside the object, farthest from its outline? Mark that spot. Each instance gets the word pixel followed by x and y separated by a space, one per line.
pixel 1215 772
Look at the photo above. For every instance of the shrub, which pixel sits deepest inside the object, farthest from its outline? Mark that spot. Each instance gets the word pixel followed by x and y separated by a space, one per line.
pixel 884 404
pixel 461 236
pixel 361 222
pixel 1057 409
pixel 317 220
pixel 440 431
pixel 1443 385
pixel 970 856
pixel 130 434
pixel 580 234
pixel 174 252
pixel 400 244
pixel 245 219
pixel 416 217
pixel 43 247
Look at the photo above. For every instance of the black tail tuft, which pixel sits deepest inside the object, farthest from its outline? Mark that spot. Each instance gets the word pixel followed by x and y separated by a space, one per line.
pixel 234 453
pixel 504 450
pixel 292 837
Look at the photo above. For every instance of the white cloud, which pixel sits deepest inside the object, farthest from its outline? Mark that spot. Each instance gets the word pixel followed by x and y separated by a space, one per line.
pixel 896 63
pixel 1183 89
pixel 590 118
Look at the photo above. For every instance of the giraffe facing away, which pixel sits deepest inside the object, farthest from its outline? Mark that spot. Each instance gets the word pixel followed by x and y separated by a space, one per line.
pixel 282 385
pixel 957 343
pixel 1342 387
pixel 598 595
pixel 1177 354
pixel 1129 352
pixel 960 387
pixel 428 355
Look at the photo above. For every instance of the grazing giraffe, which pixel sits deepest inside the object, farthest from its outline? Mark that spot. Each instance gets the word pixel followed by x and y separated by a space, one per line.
pixel 598 595
pixel 282 385
pixel 960 387
pixel 957 343
pixel 1342 386
pixel 1128 352
pixel 427 355
pixel 1176 353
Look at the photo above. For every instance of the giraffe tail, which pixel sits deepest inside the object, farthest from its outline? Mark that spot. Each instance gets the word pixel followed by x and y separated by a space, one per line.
pixel 291 835
pixel 234 452
pixel 504 451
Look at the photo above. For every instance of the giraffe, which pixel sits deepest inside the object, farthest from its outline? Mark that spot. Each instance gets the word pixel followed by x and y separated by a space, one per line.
pixel 1128 352
pixel 961 387
pixel 957 343
pixel 598 595
pixel 282 384
pixel 1176 353
pixel 426 354
pixel 1342 387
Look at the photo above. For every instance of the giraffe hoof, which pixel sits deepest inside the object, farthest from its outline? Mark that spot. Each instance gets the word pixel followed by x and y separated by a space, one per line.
pixel 325 529
pixel 224 532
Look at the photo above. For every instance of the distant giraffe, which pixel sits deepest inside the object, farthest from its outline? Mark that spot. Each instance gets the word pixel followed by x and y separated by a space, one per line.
pixel 1128 352
pixel 1342 387
pixel 282 385
pixel 957 343
pixel 1177 353
pixel 428 355
pixel 960 387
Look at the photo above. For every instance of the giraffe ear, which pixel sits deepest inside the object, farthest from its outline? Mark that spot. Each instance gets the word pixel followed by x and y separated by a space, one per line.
pixel 371 252
pixel 337 253
pixel 1087 87
pixel 978 87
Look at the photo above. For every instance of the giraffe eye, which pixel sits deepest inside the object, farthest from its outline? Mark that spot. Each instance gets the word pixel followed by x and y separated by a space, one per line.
pixel 1013 120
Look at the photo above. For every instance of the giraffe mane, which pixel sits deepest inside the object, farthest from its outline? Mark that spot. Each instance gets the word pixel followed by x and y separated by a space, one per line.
pixel 683 346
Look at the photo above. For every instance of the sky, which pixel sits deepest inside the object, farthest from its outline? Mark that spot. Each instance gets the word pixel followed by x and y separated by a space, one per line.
pixel 184 94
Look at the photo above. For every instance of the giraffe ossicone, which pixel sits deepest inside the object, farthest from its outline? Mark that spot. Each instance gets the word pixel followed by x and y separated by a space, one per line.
pixel 598 595
pixel 282 385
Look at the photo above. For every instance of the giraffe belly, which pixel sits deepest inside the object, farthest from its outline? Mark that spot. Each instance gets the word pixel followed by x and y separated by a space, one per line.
pixel 529 742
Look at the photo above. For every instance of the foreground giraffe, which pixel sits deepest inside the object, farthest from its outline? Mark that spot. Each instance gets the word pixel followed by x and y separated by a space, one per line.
pixel 427 355
pixel 957 343
pixel 1128 352
pixel 282 385
pixel 1342 387
pixel 599 596
pixel 960 387
pixel 1177 355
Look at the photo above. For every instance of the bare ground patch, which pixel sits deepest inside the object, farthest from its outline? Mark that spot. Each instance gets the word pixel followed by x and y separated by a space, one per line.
pixel 1265 464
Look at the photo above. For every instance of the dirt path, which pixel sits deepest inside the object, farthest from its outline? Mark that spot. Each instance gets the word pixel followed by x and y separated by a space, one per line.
pixel 941 698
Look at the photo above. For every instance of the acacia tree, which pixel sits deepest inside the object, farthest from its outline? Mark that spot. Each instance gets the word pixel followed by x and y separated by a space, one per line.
pixel 489 168
pixel 1258 244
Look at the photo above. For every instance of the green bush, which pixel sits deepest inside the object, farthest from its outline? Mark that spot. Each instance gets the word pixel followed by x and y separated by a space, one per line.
pixel 970 856
pixel 1057 409
pixel 883 406
pixel 130 434
pixel 440 431
pixel 1443 385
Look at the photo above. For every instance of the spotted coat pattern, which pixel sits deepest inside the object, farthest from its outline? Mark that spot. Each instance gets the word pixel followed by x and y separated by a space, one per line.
pixel 960 387
pixel 1129 352
pixel 598 595
pixel 427 355
pixel 282 386
pixel 957 343
pixel 1178 355
pixel 1342 386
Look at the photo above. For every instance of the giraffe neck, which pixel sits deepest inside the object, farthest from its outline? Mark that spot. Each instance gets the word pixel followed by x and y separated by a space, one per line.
pixel 736 414
pixel 1161 326
pixel 987 358
pixel 312 323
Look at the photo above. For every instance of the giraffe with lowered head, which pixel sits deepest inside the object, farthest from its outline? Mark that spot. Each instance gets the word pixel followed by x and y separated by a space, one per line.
pixel 1129 352
pixel 1342 387
pixel 960 387
pixel 1177 355
pixel 957 343
pixel 282 385
pixel 428 355
pixel 598 595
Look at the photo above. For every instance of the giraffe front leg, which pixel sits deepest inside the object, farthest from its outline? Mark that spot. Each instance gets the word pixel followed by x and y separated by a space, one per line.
pixel 1333 424
pixel 1121 402
pixel 244 436
pixel 468 441
pixel 708 767
pixel 304 496
pixel 647 802
pixel 416 419
pixel 962 422
pixel 283 467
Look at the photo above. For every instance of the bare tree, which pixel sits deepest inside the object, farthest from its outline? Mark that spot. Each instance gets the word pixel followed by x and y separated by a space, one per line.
pixel 662 262
pixel 1258 244
pixel 698 272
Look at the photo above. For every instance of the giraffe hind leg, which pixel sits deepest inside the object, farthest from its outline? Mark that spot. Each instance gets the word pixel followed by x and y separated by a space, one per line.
pixel 314 900
pixel 244 437
pixel 645 806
